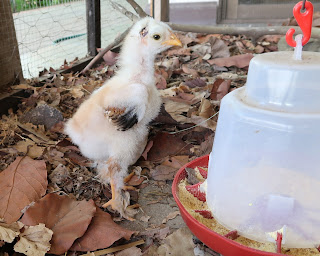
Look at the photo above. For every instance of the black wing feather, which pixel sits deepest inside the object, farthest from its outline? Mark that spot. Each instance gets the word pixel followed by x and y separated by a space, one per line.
pixel 126 120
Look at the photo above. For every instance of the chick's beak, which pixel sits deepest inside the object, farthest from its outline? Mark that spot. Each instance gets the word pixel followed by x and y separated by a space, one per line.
pixel 174 41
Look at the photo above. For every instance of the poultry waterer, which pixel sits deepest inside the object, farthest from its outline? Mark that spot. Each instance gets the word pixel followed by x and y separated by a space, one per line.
pixel 264 169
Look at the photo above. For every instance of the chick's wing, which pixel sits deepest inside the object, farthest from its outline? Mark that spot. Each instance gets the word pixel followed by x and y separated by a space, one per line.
pixel 123 118
pixel 125 107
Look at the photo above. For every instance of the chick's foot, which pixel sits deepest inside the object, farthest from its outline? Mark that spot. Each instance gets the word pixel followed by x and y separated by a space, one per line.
pixel 120 202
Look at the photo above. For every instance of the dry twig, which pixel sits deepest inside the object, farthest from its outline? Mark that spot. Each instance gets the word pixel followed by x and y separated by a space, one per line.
pixel 137 8
pixel 114 249
pixel 117 41
pixel 124 11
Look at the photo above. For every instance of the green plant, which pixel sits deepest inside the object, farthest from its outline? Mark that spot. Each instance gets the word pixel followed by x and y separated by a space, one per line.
pixel 23 5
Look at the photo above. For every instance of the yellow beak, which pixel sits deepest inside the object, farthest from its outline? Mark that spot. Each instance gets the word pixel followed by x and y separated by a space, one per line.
pixel 174 40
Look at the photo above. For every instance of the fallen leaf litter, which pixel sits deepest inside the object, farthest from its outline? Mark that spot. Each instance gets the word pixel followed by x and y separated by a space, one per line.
pixel 191 90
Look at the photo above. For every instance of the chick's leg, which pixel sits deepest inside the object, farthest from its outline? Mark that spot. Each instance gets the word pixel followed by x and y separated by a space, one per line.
pixel 115 194
pixel 120 202
pixel 113 198
pixel 120 199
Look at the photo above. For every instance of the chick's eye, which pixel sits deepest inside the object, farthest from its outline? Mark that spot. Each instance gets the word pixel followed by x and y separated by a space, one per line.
pixel 156 37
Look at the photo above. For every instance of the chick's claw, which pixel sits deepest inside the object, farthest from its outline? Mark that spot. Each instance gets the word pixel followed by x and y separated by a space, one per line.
pixel 120 202
pixel 117 205
pixel 129 188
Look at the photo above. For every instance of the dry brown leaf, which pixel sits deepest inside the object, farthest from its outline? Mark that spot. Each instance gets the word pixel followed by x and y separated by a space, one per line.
pixel 8 232
pixel 240 46
pixel 157 233
pixel 171 216
pixel 187 97
pixel 170 64
pixel 248 44
pixel 206 109
pixel 271 38
pixel 206 146
pixel 201 49
pixel 133 251
pixel 165 144
pixel 205 38
pixel 59 174
pixel 179 51
pixel 162 172
pixel 36 151
pixel 239 61
pixel 192 177
pixel 187 39
pixel 202 115
pixel 22 183
pixel 198 82
pixel 110 58
pixel 218 48
pixel 135 181
pixel 34 241
pixel 58 127
pixel 175 109
pixel 77 91
pixel 161 82
pixel 176 161
pixel 147 149
pixel 223 89
pixel 55 157
pixel 215 88
pixel 178 243
pixel 145 218
pixel 67 218
pixel 78 159
pixel 259 49
pixel 190 71
pixel 102 232
pixel 22 145
pixel 164 118
pixel 168 168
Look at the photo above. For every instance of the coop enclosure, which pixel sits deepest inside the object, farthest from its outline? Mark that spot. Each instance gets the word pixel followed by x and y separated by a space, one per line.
pixel 257 11
pixel 37 35
pixel 46 34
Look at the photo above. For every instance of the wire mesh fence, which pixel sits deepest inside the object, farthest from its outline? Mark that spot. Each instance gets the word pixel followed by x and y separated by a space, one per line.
pixel 52 31
pixel 49 35
pixel 112 22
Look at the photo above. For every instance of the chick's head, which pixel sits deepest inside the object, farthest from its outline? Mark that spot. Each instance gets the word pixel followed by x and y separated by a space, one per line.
pixel 155 36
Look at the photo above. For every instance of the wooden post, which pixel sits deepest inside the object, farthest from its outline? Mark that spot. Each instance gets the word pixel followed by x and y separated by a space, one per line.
pixel 151 8
pixel 161 10
pixel 10 66
pixel 93 26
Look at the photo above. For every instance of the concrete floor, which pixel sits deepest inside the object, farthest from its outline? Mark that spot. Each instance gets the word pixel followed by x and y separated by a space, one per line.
pixel 157 202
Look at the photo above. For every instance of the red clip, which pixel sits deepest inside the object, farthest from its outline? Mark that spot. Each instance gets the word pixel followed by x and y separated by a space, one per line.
pixel 304 21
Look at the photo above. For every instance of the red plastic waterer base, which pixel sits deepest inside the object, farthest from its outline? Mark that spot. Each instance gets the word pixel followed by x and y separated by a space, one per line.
pixel 210 238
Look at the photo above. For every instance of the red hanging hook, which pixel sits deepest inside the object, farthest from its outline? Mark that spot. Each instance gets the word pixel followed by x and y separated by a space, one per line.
pixel 304 20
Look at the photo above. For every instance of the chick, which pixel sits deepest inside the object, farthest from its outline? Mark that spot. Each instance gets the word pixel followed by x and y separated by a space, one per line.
pixel 111 126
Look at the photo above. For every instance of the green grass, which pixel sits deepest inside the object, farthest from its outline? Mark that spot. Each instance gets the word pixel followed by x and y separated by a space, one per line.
pixel 23 5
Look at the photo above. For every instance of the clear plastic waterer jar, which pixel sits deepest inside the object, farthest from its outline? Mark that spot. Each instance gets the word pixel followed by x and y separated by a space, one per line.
pixel 264 169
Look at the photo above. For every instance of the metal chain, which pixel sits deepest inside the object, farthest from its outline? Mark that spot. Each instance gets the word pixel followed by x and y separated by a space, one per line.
pixel 303 7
